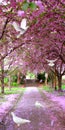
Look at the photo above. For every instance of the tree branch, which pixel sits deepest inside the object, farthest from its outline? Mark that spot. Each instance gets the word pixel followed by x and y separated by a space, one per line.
pixel 14 48
pixel 3 31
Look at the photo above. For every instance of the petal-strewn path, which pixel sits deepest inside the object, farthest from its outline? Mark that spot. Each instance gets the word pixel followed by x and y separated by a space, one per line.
pixel 50 117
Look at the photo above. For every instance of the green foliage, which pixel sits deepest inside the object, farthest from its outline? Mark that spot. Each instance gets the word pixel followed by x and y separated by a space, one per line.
pixel 41 76
pixel 6 80
pixel 32 5
pixel 13 81
pixel 42 14
pixel 25 6
pixel 22 78
pixel 14 84
pixel 30 75
pixel 14 78
pixel 63 87
pixel 49 78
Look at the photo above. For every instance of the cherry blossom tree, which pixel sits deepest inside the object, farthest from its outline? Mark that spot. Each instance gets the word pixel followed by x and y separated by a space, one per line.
pixel 45 35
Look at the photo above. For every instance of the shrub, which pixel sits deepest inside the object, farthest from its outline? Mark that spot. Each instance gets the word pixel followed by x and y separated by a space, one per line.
pixel 14 78
pixel 41 77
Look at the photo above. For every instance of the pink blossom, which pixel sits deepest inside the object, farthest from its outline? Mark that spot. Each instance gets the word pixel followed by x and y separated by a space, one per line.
pixel 20 13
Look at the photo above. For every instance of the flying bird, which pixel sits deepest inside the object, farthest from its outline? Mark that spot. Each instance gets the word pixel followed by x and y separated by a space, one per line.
pixel 19 120
pixel 38 104
pixel 51 62
pixel 22 28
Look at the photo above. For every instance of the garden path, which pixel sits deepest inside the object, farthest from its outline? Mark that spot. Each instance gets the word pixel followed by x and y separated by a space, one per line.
pixel 50 117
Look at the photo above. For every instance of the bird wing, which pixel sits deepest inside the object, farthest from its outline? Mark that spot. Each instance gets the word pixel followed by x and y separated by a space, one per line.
pixel 51 61
pixel 23 24
pixel 25 121
pixel 21 33
pixel 16 26
pixel 19 120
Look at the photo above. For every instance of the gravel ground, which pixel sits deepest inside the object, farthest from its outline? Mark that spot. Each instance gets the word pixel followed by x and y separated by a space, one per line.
pixel 50 117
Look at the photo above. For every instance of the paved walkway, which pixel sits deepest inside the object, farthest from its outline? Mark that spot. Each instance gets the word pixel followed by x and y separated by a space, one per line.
pixel 46 118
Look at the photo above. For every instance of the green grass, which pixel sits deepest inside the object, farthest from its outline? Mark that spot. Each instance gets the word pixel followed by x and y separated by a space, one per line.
pixel 14 90
pixel 48 89
pixel 63 87
pixel 14 84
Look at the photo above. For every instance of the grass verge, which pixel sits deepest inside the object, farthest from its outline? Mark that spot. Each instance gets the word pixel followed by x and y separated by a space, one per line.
pixel 13 90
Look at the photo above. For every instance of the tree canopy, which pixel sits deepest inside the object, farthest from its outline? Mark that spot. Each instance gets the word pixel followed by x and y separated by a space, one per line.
pixel 44 38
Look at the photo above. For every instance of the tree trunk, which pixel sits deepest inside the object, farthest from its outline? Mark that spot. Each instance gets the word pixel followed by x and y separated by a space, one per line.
pixel 18 77
pixel 55 82
pixel 9 82
pixel 60 83
pixel 52 83
pixel 46 78
pixel 2 76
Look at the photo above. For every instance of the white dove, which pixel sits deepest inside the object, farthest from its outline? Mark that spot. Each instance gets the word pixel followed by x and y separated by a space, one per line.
pixel 38 104
pixel 51 62
pixel 19 120
pixel 20 28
